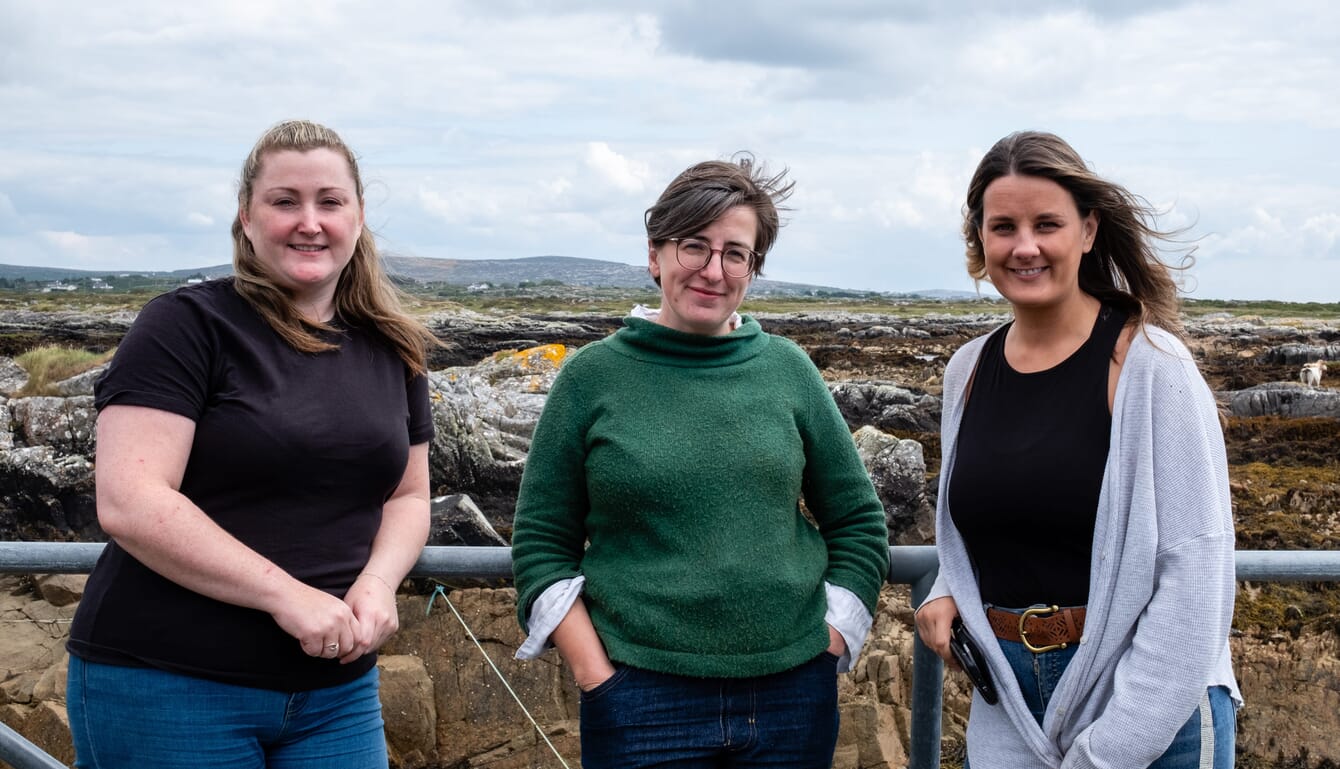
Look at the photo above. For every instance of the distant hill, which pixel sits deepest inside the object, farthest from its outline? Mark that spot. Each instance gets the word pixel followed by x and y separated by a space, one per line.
pixel 568 270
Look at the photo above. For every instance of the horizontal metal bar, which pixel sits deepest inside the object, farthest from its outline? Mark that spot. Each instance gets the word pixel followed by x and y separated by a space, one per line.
pixel 907 563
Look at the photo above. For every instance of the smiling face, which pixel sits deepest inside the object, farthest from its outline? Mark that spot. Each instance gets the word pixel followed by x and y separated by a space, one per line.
pixel 702 301
pixel 303 220
pixel 1033 238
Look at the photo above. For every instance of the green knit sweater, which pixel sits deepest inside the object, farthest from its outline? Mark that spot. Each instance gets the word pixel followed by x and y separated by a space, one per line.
pixel 682 460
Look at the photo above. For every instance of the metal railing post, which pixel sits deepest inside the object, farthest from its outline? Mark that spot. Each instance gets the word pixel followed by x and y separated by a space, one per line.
pixel 927 688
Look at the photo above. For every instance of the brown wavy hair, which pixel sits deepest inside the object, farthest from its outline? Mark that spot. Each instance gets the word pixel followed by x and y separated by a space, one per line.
pixel 1123 268
pixel 364 295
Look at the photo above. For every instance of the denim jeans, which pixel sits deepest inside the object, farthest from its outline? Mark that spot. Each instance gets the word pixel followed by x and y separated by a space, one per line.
pixel 639 718
pixel 151 719
pixel 1212 728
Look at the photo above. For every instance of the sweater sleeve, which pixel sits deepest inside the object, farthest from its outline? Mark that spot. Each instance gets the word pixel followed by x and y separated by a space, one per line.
pixel 1179 470
pixel 840 496
pixel 549 531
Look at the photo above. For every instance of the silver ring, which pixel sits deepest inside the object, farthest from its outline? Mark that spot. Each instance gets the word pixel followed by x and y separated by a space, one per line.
pixel 334 648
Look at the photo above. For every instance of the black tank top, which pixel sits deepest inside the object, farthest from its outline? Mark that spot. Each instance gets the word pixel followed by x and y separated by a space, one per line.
pixel 1028 468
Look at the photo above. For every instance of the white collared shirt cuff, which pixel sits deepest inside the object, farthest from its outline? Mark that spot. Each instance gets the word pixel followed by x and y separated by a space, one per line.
pixel 545 614
pixel 848 615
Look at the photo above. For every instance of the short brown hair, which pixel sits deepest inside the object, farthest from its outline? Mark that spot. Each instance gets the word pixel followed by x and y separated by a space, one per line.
pixel 704 192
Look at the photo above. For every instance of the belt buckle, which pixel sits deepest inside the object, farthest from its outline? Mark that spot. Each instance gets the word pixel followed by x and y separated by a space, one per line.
pixel 1037 611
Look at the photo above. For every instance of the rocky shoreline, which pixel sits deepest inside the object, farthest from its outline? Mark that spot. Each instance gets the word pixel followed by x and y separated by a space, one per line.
pixel 488 386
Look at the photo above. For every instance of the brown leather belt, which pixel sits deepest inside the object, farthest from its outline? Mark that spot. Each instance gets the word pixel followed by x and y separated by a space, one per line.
pixel 1039 629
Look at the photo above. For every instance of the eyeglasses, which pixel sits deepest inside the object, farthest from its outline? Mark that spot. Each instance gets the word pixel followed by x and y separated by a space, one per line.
pixel 695 254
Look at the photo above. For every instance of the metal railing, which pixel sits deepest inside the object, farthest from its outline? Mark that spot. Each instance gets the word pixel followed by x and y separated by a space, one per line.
pixel 914 566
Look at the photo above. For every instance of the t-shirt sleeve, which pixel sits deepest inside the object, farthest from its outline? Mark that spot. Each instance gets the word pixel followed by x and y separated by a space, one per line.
pixel 420 411
pixel 163 362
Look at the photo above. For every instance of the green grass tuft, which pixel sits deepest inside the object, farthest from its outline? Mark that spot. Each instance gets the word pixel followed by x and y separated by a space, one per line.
pixel 49 364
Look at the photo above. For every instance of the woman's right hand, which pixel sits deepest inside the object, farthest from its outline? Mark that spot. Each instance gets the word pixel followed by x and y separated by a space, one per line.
pixel 324 625
pixel 934 620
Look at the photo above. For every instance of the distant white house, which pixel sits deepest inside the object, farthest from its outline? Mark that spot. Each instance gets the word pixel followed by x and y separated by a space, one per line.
pixel 193 281
pixel 99 284
pixel 478 287
pixel 58 286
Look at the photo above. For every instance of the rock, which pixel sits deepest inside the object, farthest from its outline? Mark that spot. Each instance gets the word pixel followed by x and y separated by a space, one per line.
pixel 65 424
pixel 484 416
pixel 887 406
pixel 60 589
pixel 408 709
pixel 47 496
pixel 80 384
pixel 898 470
pixel 458 521
pixel 50 686
pixel 1292 691
pixel 6 426
pixel 12 376
pixel 48 727
pixel 1284 399
pixel 475 713
pixel 1296 354
pixel 33 640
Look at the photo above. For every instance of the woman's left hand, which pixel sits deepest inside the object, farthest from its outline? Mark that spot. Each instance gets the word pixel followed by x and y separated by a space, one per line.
pixel 837 646
pixel 373 603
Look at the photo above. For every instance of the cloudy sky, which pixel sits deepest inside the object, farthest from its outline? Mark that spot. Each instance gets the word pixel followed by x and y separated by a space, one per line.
pixel 513 128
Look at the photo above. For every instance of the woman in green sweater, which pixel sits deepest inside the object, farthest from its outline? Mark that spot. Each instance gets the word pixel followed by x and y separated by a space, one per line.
pixel 660 541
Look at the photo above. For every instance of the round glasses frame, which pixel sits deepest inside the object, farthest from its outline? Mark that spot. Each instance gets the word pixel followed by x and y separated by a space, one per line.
pixel 695 254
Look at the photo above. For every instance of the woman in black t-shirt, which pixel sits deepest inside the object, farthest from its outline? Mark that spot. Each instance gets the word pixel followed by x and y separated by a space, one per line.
pixel 263 476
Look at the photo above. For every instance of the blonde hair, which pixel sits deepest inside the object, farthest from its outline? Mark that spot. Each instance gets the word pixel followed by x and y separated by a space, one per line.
pixel 1123 268
pixel 364 295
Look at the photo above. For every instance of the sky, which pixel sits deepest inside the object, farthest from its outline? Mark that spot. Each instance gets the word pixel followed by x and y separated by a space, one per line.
pixel 515 128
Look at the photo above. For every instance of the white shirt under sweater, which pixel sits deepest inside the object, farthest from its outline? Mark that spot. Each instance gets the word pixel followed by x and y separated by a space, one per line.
pixel 1161 580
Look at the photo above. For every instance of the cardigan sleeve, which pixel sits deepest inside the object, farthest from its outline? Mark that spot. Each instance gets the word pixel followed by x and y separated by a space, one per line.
pixel 841 497
pixel 1175 460
pixel 549 531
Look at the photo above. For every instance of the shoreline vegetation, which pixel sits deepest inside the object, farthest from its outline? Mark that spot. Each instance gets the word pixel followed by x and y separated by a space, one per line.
pixel 550 296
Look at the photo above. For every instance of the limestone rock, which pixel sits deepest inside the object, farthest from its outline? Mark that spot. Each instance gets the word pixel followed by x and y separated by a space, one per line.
pixel 1296 353
pixel 12 376
pixel 46 495
pixel 408 709
pixel 898 470
pixel 65 424
pixel 1285 399
pixel 80 384
pixel 887 406
pixel 484 416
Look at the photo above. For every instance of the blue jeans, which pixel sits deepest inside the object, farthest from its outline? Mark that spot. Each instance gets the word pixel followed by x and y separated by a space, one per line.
pixel 151 719
pixel 639 719
pixel 1212 728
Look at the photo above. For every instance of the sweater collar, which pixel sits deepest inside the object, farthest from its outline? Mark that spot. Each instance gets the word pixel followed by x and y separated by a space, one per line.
pixel 649 341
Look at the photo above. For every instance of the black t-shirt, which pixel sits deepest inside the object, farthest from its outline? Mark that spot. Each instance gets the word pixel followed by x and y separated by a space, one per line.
pixel 294 454
pixel 1028 469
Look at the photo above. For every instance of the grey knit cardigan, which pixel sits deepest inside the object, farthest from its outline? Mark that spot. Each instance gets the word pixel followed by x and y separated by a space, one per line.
pixel 1161 579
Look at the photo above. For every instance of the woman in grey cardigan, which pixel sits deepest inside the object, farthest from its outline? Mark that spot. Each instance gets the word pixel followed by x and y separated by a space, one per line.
pixel 1084 524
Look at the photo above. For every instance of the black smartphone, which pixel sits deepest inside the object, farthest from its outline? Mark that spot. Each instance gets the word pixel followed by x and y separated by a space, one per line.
pixel 971 659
